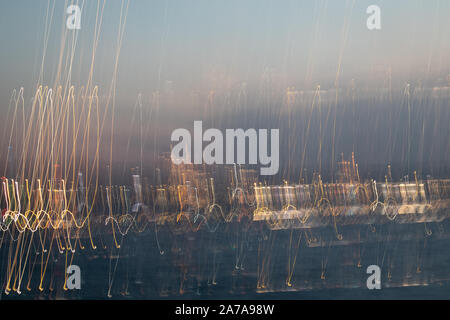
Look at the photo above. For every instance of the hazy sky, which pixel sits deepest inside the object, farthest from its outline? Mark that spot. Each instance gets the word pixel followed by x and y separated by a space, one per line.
pixel 203 44
pixel 198 46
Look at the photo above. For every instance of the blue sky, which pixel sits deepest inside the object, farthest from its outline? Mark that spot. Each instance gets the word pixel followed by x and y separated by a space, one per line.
pixel 198 44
